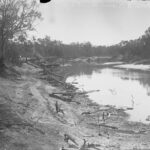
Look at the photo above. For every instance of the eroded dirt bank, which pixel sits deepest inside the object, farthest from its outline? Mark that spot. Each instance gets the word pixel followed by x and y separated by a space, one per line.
pixel 29 119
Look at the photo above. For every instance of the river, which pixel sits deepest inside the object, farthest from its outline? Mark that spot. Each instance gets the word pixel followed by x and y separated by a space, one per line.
pixel 121 88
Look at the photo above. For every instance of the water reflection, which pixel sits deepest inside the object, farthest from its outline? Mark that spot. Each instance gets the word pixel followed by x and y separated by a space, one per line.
pixel 122 88
pixel 78 69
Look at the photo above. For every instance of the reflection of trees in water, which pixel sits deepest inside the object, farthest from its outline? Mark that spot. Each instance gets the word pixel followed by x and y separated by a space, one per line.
pixel 144 80
pixel 127 74
pixel 142 76
pixel 82 69
pixel 146 84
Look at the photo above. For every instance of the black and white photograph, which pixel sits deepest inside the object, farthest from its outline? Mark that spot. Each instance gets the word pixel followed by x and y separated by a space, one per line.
pixel 74 74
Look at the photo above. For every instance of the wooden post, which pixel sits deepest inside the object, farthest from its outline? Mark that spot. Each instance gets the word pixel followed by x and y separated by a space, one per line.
pixel 99 125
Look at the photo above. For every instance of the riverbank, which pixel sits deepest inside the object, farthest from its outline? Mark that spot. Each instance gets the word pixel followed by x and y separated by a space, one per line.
pixel 133 64
pixel 34 123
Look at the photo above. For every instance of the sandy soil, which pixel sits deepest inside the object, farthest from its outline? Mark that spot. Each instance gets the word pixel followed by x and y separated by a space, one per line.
pixel 134 66
pixel 29 121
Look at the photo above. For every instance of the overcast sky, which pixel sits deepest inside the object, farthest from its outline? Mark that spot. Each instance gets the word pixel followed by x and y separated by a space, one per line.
pixel 102 22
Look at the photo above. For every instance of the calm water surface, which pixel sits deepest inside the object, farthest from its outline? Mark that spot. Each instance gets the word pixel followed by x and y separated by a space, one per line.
pixel 118 87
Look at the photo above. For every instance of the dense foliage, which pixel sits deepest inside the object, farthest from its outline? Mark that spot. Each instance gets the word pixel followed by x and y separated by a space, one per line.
pixel 16 18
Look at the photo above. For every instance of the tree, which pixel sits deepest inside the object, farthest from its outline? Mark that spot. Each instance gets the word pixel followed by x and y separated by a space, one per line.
pixel 16 18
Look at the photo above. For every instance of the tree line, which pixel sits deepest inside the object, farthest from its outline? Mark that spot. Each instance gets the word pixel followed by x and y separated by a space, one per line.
pixel 139 48
pixel 45 47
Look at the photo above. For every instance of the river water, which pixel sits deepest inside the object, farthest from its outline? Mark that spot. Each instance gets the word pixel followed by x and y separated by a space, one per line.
pixel 121 88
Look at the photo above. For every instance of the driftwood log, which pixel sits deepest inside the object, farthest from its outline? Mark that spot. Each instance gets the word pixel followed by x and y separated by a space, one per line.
pixel 60 97
pixel 108 126
pixel 104 125
pixel 71 93
pixel 68 137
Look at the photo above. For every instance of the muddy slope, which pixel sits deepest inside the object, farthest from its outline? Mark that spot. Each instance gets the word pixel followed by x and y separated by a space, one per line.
pixel 29 119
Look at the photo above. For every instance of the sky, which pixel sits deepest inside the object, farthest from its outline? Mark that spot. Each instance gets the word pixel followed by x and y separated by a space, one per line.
pixel 101 22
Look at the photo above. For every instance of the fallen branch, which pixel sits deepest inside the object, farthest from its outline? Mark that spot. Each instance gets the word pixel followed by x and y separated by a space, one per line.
pixel 71 93
pixel 108 126
pixel 104 125
pixel 86 113
pixel 68 137
pixel 131 131
pixel 61 98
